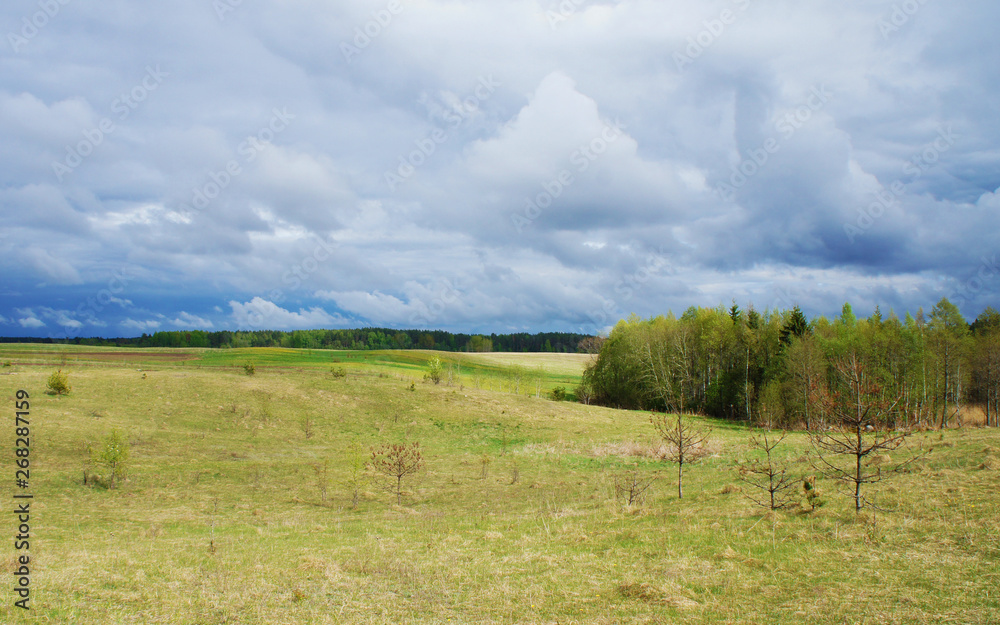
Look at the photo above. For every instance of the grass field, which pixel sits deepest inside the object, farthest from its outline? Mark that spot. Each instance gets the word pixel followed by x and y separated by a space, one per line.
pixel 224 519
pixel 496 371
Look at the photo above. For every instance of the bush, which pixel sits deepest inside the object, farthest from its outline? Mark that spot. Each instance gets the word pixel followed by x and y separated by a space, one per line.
pixel 59 383
pixel 338 372
pixel 249 368
pixel 558 393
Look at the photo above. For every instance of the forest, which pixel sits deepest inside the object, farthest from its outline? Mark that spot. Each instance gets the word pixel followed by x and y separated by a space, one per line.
pixel 354 339
pixel 781 369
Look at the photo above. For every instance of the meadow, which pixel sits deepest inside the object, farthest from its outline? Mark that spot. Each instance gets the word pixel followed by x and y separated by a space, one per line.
pixel 238 504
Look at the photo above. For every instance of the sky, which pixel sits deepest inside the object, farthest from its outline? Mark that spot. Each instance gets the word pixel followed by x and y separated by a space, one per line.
pixel 491 166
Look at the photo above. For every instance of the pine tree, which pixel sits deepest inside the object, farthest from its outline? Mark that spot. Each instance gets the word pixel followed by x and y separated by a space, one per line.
pixel 796 326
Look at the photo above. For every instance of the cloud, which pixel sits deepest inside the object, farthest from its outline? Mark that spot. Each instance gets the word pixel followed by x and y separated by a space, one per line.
pixel 260 314
pixel 141 326
pixel 31 322
pixel 66 321
pixel 51 268
pixel 187 320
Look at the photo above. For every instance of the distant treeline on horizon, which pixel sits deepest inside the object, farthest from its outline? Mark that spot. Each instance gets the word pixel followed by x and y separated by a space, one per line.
pixel 355 339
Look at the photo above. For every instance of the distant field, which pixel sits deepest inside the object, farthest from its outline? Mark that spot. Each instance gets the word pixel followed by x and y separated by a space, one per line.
pixel 564 364
pixel 18 353
pixel 479 370
pixel 232 514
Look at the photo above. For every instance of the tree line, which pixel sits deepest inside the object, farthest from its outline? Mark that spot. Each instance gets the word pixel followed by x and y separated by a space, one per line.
pixel 353 339
pixel 780 369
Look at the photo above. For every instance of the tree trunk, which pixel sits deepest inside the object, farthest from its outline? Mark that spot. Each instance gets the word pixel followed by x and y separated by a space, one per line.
pixel 680 475
pixel 746 385
pixel 857 475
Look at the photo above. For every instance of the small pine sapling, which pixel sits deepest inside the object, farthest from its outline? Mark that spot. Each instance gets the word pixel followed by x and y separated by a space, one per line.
pixel 396 462
pixel 771 480
pixel 684 442
pixel 59 383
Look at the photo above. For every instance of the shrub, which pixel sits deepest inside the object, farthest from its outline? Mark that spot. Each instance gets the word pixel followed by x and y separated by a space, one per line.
pixel 812 493
pixel 484 462
pixel 338 372
pixel 631 487
pixel 308 425
pixel 249 368
pixel 558 393
pixel 59 383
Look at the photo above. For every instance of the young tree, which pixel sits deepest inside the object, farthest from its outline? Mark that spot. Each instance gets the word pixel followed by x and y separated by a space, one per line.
pixel 631 486
pixel 434 369
pixel 356 477
pixel 768 475
pixel 395 462
pixel 59 383
pixel 684 442
pixel 853 448
pixel 114 455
